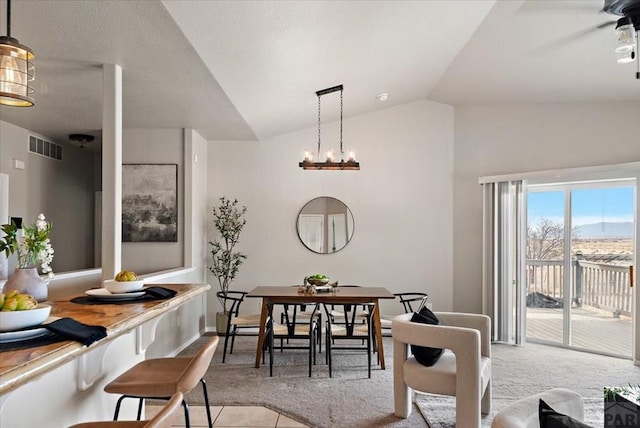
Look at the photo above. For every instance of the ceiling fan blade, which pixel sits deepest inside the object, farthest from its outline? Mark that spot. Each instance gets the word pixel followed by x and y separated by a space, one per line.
pixel 606 24
pixel 570 38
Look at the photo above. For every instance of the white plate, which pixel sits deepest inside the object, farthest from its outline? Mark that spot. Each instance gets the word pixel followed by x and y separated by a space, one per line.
pixel 323 288
pixel 15 336
pixel 104 294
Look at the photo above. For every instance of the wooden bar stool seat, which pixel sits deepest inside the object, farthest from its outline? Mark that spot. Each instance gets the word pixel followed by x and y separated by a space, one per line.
pixel 161 378
pixel 161 420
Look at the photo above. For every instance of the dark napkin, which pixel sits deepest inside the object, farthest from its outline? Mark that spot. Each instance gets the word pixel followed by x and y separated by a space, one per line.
pixel 160 292
pixel 47 339
pixel 73 330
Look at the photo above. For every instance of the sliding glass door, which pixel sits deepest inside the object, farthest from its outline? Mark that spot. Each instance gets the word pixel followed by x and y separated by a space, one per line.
pixel 579 264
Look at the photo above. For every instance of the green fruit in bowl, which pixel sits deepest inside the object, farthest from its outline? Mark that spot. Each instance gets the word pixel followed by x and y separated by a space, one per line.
pixel 126 275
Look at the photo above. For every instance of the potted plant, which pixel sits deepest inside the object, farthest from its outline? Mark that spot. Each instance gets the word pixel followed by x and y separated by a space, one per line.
pixel 622 406
pixel 228 219
pixel 34 249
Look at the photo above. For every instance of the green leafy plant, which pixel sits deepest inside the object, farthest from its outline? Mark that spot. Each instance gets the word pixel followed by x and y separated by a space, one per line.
pixel 33 247
pixel 228 219
pixel 630 391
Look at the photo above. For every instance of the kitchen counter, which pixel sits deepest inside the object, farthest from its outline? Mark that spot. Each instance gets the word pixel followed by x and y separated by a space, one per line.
pixel 22 367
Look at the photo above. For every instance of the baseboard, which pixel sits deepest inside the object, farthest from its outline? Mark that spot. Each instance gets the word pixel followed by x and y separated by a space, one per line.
pixel 184 345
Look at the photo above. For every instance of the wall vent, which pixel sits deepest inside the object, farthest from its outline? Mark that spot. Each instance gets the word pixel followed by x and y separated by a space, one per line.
pixel 45 148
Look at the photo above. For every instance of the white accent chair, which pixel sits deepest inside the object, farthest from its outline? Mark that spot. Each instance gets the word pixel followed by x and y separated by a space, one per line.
pixel 463 370
pixel 524 413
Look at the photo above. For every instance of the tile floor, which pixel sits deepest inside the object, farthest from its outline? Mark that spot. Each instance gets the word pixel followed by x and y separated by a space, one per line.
pixel 231 416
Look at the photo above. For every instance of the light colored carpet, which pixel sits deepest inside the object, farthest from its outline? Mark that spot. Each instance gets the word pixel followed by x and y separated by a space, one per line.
pixel 350 399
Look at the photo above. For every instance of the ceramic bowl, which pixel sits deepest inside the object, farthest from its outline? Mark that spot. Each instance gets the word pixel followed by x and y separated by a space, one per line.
pixel 14 320
pixel 316 281
pixel 118 287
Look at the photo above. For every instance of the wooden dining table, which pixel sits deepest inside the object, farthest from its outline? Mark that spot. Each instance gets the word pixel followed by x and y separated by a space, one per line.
pixel 339 295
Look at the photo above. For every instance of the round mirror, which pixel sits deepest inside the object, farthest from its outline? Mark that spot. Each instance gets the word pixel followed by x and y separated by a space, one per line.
pixel 325 225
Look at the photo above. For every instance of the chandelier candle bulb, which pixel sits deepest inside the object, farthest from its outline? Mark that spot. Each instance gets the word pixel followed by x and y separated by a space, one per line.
pixel 351 156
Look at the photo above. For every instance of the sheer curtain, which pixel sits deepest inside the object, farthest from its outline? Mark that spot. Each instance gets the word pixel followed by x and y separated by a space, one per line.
pixel 504 244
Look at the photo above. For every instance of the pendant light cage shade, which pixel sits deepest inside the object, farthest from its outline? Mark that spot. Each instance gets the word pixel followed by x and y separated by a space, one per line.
pixel 17 72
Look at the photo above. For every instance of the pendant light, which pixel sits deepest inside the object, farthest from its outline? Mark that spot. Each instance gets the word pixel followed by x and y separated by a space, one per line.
pixel 330 162
pixel 16 69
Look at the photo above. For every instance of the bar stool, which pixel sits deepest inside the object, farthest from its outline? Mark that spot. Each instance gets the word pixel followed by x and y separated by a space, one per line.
pixel 160 378
pixel 161 420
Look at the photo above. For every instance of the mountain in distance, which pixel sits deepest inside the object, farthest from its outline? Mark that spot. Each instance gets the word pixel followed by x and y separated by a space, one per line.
pixel 604 230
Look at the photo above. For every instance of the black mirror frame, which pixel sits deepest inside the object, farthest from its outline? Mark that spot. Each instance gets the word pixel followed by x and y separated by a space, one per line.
pixel 349 213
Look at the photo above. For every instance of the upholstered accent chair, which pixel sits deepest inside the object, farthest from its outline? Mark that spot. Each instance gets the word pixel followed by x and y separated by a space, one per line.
pixel 463 370
pixel 524 413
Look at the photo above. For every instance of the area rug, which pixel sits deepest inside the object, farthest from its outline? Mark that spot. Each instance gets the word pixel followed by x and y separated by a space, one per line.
pixel 350 399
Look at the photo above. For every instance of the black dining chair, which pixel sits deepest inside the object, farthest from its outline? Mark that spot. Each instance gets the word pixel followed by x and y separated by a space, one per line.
pixel 411 299
pixel 237 324
pixel 293 333
pixel 303 313
pixel 351 332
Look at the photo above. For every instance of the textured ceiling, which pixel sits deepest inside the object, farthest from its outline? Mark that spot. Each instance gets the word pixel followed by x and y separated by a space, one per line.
pixel 249 69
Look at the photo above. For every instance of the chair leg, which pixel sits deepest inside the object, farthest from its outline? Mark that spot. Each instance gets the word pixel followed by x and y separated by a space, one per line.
pixel 224 352
pixel 271 353
pixel 117 411
pixel 369 355
pixel 187 424
pixel 140 402
pixel 233 340
pixel 206 401
pixel 485 404
pixel 328 347
pixel 312 350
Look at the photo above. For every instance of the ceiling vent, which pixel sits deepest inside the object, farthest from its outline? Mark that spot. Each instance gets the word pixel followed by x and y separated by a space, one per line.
pixel 45 148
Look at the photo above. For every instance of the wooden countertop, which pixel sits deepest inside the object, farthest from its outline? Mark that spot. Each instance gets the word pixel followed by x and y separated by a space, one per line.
pixel 21 366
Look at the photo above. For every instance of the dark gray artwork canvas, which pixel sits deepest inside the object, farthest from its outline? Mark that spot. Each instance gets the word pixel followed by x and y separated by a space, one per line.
pixel 149 203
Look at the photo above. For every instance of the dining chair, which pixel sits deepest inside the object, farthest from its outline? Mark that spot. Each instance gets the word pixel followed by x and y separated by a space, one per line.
pixel 163 419
pixel 352 328
pixel 293 329
pixel 237 324
pixel 304 312
pixel 409 298
pixel 161 378
pixel 338 313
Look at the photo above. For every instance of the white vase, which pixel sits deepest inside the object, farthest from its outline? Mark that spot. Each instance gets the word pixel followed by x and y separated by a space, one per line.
pixel 27 281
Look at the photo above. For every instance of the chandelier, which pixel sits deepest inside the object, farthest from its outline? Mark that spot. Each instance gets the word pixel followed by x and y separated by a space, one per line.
pixel 16 69
pixel 330 162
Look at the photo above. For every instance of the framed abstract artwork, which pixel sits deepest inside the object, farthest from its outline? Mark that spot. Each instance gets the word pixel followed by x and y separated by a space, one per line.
pixel 149 203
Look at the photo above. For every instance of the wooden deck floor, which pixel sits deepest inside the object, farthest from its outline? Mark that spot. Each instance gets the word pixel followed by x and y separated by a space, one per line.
pixel 590 329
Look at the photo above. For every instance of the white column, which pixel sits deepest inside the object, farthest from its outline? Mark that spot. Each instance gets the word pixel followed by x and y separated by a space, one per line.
pixel 111 171
pixel 190 158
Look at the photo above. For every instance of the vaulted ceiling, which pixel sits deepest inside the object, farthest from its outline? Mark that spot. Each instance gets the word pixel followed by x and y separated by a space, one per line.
pixel 238 70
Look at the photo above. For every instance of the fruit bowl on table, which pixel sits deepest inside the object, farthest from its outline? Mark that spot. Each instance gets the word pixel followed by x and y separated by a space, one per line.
pixel 318 281
pixel 14 320
pixel 118 287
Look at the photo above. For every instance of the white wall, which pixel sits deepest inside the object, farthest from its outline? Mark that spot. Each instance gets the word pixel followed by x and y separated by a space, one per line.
pixel 162 146
pixel 62 190
pixel 491 140
pixel 401 200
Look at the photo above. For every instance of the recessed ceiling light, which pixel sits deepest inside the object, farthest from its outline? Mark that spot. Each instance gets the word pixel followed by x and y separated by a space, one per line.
pixel 383 97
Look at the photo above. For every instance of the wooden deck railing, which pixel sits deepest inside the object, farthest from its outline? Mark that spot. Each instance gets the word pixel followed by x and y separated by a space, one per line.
pixel 600 285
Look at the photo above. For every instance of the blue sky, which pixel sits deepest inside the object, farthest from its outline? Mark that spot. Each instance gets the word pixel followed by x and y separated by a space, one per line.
pixel 589 206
